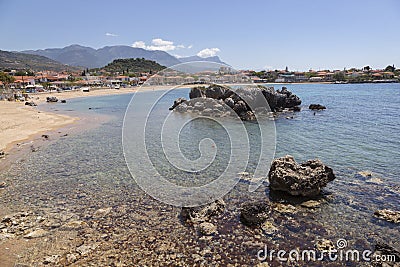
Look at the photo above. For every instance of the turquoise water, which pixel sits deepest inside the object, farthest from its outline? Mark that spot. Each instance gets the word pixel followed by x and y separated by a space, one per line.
pixel 358 131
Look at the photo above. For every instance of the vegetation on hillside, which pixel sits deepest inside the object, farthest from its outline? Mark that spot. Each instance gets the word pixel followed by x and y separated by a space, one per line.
pixel 131 66
pixel 21 61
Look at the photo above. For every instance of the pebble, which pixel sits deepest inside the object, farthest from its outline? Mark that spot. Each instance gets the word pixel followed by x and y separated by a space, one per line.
pixel 269 228
pixel 71 258
pixel 324 245
pixel 207 228
pixel 76 224
pixel 310 204
pixel 51 259
pixel 36 234
pixel 102 212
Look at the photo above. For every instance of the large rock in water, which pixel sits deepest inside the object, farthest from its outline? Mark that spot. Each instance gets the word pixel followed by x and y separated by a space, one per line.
pixel 244 99
pixel 305 179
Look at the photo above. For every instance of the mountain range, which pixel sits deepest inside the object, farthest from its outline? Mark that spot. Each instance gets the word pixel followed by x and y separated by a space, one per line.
pixel 82 56
pixel 16 60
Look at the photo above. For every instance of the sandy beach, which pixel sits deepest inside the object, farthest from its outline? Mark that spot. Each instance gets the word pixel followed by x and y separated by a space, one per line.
pixel 19 122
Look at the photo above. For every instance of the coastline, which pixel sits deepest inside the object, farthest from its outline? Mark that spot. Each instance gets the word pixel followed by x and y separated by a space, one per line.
pixel 20 123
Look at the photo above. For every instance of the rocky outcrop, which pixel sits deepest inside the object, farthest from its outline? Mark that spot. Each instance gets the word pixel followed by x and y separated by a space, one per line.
pixel 51 99
pixel 305 179
pixel 242 100
pixel 316 107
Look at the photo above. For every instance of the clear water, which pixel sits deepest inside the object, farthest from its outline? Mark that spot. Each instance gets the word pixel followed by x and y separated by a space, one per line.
pixel 358 131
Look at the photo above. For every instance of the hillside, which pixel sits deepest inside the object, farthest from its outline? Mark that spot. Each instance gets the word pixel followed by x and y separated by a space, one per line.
pixel 135 65
pixel 16 60
pixel 77 55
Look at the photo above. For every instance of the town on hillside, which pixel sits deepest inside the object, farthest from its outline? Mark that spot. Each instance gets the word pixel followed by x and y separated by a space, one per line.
pixel 115 76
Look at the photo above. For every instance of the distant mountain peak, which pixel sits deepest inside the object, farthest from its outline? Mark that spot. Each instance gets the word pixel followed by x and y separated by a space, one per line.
pixel 78 55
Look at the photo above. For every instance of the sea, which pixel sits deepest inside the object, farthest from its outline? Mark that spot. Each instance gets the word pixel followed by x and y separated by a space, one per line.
pixel 85 171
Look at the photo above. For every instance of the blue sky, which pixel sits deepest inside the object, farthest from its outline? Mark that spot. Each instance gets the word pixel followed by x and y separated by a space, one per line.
pixel 300 34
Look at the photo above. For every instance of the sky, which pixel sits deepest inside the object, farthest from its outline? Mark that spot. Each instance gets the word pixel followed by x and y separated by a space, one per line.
pixel 259 34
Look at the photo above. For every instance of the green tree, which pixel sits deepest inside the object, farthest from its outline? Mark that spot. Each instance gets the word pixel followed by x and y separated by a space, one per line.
pixel 6 80
pixel 24 73
pixel 390 68
pixel 339 76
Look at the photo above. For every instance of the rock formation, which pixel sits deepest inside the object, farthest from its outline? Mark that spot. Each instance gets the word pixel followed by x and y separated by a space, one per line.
pixel 316 107
pixel 305 179
pixel 218 101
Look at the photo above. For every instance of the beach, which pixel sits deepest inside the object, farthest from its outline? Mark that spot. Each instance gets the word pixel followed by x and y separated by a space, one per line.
pixel 75 202
pixel 19 122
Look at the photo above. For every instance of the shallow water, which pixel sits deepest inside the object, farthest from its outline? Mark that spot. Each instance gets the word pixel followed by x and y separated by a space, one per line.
pixel 358 131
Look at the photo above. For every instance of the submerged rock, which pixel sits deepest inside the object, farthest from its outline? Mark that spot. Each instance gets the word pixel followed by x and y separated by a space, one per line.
pixel 305 179
pixel 388 215
pixel 254 212
pixel 201 214
pixel 386 250
pixel 206 228
pixel 324 245
pixel 365 174
pixel 269 228
pixel 310 204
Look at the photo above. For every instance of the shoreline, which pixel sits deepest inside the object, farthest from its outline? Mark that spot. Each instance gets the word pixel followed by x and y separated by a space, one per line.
pixel 20 123
pixel 22 126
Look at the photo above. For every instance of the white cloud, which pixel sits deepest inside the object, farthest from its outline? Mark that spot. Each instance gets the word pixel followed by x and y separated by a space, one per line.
pixel 158 44
pixel 190 46
pixel 208 52
pixel 111 34
pixel 139 44
pixel 161 42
